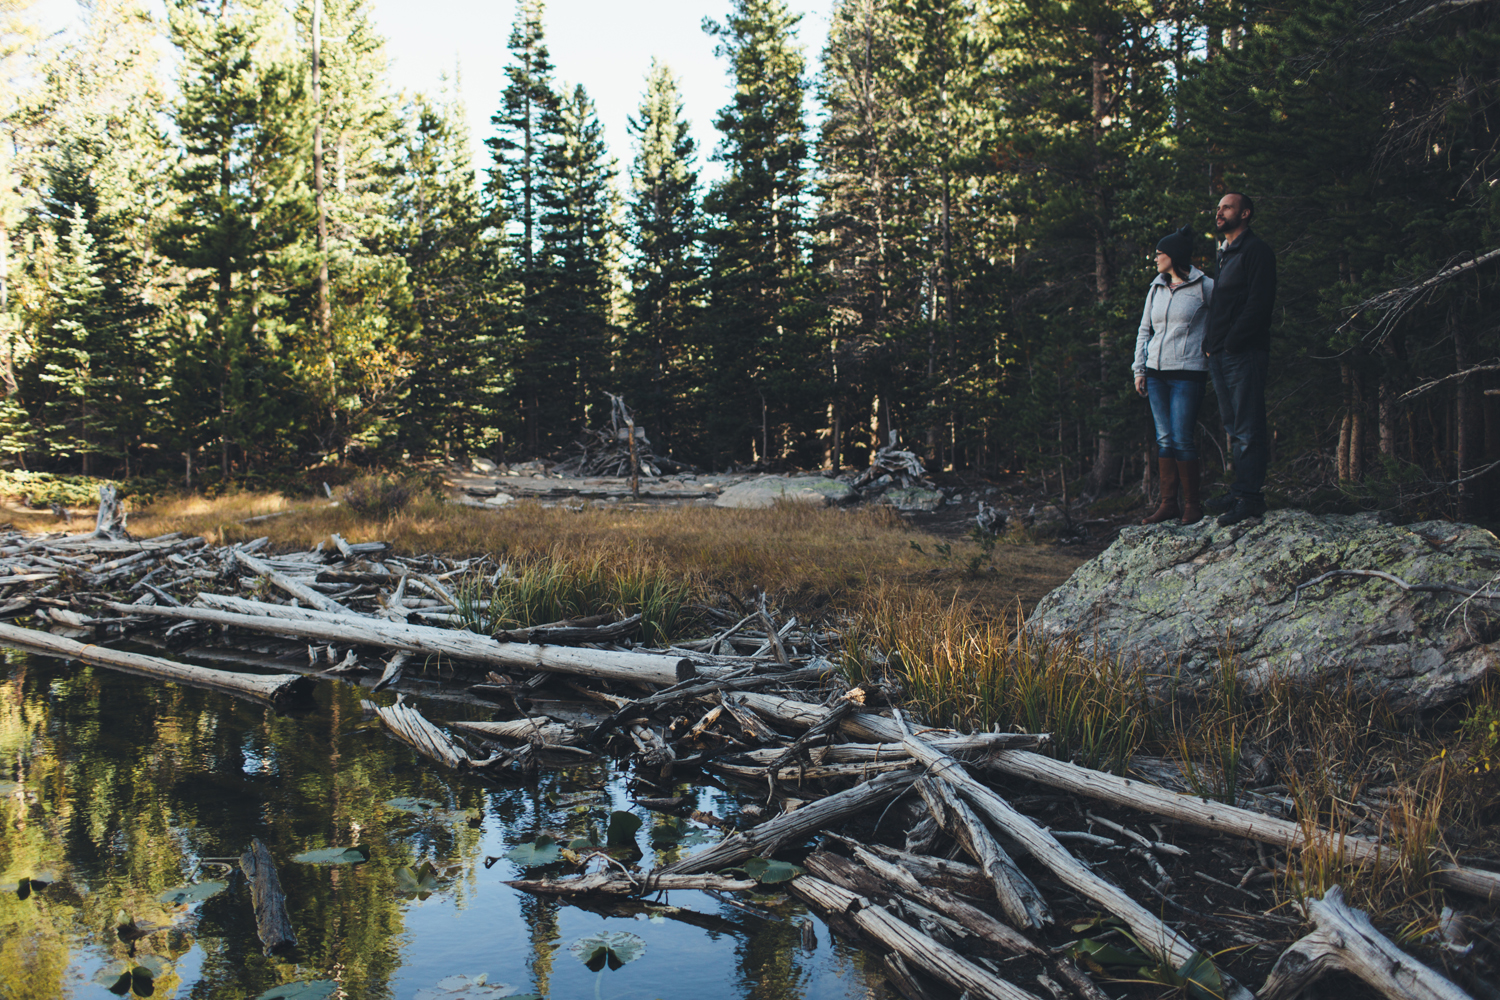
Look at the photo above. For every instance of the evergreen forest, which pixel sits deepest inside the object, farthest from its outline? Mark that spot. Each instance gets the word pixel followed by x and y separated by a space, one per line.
pixel 228 245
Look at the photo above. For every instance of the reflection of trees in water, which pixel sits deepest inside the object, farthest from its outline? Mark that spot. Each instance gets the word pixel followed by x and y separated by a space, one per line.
pixel 133 782
pixel 125 784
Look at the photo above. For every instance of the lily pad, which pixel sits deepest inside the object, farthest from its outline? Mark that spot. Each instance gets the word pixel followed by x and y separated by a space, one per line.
pixel 138 978
pixel 622 829
pixel 543 851
pixel 408 804
pixel 310 989
pixel 681 833
pixel 335 856
pixel 468 988
pixel 36 883
pixel 611 948
pixel 196 893
pixel 420 883
pixel 769 872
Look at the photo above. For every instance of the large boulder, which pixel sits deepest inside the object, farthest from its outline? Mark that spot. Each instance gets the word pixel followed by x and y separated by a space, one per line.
pixel 767 490
pixel 1169 595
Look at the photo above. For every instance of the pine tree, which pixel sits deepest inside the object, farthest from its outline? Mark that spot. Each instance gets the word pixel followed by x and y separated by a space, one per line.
pixel 245 208
pixel 526 105
pixel 570 352
pixel 354 345
pixel 757 342
pixel 69 362
pixel 460 285
pixel 666 264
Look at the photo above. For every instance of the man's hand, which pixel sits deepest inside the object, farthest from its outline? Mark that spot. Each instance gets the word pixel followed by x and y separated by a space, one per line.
pixel 1140 385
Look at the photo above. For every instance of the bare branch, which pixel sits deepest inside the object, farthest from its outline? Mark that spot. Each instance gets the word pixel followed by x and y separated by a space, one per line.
pixel 1397 301
pixel 1425 387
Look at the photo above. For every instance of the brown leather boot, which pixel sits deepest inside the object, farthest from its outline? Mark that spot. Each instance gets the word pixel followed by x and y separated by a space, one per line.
pixel 1168 508
pixel 1192 500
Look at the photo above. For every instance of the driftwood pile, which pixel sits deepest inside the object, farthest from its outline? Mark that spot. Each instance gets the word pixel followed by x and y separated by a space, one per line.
pixel 894 466
pixel 621 449
pixel 757 703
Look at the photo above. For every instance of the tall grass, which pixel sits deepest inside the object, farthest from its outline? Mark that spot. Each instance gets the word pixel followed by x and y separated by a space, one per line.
pixel 556 589
pixel 978 674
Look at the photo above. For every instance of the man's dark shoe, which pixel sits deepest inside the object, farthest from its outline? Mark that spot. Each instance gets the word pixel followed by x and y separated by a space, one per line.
pixel 1219 504
pixel 1242 509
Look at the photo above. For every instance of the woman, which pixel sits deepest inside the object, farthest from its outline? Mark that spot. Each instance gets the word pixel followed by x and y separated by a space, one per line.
pixel 1171 370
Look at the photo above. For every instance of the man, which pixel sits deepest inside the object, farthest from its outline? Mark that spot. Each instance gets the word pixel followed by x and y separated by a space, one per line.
pixel 1238 345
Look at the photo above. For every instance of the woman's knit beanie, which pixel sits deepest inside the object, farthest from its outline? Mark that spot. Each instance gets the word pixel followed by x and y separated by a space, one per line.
pixel 1178 246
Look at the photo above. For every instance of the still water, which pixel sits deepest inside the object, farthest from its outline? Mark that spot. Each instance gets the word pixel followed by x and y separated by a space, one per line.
pixel 114 790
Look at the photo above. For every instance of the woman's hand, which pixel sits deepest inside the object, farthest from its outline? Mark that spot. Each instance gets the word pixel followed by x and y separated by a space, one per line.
pixel 1140 385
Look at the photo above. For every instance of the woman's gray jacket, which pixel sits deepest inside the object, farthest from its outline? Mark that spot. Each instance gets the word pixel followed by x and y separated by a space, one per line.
pixel 1173 325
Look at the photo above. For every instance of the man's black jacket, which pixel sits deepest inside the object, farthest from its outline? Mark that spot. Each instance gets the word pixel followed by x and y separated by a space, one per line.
pixel 1239 317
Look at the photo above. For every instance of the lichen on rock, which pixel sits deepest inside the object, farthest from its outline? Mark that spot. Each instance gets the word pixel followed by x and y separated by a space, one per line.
pixel 1177 600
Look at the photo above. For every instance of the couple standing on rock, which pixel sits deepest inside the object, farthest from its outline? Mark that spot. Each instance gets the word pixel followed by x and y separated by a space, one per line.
pixel 1195 328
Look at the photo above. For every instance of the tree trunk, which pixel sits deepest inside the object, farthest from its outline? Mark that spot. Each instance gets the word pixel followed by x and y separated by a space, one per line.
pixel 1469 429
pixel 1106 455
pixel 325 314
pixel 1346 425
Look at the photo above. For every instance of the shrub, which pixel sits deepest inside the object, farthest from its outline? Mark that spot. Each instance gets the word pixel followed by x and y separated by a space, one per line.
pixel 379 496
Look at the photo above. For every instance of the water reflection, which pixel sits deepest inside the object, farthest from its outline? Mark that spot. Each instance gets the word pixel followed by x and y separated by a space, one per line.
pixel 116 789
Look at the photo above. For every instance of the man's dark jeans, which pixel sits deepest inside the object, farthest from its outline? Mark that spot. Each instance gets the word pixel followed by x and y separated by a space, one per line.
pixel 1240 383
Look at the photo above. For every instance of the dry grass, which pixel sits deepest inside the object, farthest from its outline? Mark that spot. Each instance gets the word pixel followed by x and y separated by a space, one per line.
pixel 805 557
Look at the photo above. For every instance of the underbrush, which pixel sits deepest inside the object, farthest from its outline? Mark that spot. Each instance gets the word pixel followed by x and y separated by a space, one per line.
pixel 1336 762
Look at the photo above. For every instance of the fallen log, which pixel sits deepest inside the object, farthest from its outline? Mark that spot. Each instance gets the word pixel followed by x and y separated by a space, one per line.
pixel 357 630
pixel 617 884
pixel 278 690
pixel 1217 816
pixel 538 730
pixel 762 840
pixel 914 947
pixel 1155 936
pixel 1346 940
pixel 899 882
pixel 1138 795
pixel 272 925
pixel 1020 900
pixel 305 594
pixel 412 728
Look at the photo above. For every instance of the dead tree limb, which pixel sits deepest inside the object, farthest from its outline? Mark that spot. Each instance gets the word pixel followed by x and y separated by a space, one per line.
pixel 278 690
pixel 272 925
pixel 1347 941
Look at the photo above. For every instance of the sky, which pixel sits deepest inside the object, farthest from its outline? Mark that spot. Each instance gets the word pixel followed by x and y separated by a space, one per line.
pixel 606 45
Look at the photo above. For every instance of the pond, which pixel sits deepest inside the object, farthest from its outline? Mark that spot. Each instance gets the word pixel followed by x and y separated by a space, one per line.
pixel 115 792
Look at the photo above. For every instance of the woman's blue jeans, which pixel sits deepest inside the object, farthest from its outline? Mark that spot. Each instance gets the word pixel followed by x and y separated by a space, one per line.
pixel 1174 408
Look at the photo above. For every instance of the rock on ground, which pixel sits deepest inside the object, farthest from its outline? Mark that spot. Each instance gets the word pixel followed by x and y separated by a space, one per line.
pixel 913 498
pixel 766 490
pixel 1164 595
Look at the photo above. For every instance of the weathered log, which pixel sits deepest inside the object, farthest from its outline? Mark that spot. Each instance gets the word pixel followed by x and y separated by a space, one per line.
pixel 1229 819
pixel 278 690
pixel 272 925
pixel 110 523
pixel 1346 940
pixel 599 628
pixel 358 630
pixel 1147 798
pixel 1155 936
pixel 898 881
pixel 412 728
pixel 303 593
pixel 943 873
pixel 617 884
pixel 914 947
pixel 814 772
pixel 538 730
pixel 766 838
pixel 1020 900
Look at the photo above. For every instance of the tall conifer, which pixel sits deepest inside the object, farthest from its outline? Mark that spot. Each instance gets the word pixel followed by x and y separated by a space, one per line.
pixel 666 260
